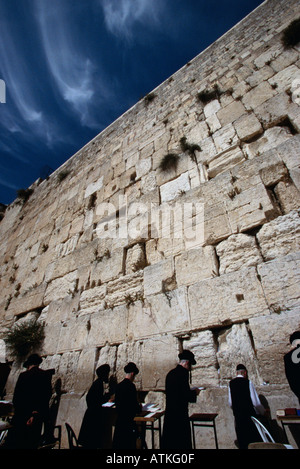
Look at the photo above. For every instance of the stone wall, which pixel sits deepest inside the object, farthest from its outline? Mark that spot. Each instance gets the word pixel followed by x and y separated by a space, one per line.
pixel 100 254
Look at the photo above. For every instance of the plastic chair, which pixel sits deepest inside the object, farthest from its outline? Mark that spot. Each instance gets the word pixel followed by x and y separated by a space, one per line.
pixel 72 439
pixel 265 434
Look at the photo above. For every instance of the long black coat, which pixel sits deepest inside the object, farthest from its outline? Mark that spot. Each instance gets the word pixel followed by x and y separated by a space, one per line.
pixel 32 394
pixel 93 425
pixel 127 407
pixel 176 429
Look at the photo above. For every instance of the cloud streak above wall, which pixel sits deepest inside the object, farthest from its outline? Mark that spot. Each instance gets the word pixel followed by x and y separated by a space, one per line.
pixel 72 67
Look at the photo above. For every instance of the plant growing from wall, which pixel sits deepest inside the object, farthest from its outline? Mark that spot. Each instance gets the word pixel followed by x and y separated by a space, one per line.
pixel 24 338
pixel 190 148
pixel 291 35
pixel 24 194
pixel 149 97
pixel 169 162
pixel 62 175
pixel 206 96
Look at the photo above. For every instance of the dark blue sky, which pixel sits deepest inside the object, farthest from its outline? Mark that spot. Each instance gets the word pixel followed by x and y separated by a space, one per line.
pixel 71 67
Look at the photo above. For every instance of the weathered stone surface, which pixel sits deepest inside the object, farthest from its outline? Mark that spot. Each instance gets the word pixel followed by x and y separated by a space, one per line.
pixel 205 372
pixel 237 252
pixel 156 316
pixel 158 276
pixel 271 340
pixel 280 236
pixel 280 282
pixel 195 265
pixel 228 298
pixel 172 189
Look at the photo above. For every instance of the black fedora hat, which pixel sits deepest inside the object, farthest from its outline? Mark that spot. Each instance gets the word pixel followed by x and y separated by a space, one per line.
pixel 187 355
pixel 131 368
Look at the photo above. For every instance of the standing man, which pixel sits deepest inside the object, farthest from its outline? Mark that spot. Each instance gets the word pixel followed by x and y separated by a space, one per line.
pixel 292 364
pixel 245 403
pixel 31 405
pixel 127 407
pixel 177 430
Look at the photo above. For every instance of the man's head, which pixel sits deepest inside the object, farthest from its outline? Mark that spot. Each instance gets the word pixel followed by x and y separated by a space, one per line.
pixel 131 370
pixel 32 360
pixel 241 370
pixel 187 359
pixel 103 372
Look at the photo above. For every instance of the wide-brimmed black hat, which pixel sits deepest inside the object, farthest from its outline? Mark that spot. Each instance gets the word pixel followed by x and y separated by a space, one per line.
pixel 241 367
pixel 187 355
pixel 131 368
pixel 33 359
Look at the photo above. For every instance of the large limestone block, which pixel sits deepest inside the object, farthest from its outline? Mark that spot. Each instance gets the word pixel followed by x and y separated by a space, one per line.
pixel 93 299
pixel 238 251
pixel 288 196
pixel 203 346
pixel 30 301
pixel 61 287
pixel 248 126
pixel 165 312
pixel 107 266
pixel 270 139
pixel 257 96
pixel 289 152
pixel 224 161
pixel 73 334
pixel 280 280
pixel 173 189
pixel 250 208
pixel 225 138
pixel 271 340
pixel 216 222
pixel 274 110
pixel 157 357
pixel 158 276
pixel 226 299
pixel 280 236
pixel 283 80
pixel 109 325
pixel 234 347
pixel 195 265
pixel 136 258
pixel 126 289
pixel 231 112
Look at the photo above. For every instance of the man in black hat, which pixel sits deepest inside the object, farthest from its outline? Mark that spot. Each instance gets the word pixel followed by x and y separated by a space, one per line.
pixel 176 430
pixel 292 364
pixel 127 407
pixel 31 405
pixel 244 401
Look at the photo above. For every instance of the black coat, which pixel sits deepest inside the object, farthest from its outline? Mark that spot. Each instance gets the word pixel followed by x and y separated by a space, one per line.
pixel 176 429
pixel 31 398
pixel 243 410
pixel 127 407
pixel 92 431
pixel 292 370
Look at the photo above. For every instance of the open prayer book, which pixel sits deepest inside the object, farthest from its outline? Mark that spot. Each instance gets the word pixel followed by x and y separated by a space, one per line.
pixel 150 408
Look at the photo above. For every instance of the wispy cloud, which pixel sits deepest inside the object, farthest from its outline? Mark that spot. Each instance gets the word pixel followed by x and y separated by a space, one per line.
pixel 121 15
pixel 70 68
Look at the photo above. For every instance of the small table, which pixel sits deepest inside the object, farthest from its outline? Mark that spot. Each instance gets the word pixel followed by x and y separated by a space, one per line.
pixel 287 420
pixel 203 420
pixel 149 420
